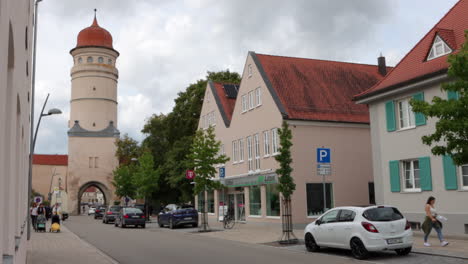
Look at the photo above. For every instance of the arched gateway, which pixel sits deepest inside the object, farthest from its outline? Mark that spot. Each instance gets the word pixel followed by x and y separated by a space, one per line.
pixel 93 115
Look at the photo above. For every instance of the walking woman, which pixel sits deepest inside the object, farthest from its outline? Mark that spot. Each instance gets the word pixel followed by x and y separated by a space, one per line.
pixel 431 222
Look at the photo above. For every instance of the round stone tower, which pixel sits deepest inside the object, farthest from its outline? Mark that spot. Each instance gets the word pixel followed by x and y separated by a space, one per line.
pixel 93 116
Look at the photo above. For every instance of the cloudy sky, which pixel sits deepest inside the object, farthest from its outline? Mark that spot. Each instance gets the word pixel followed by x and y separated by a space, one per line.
pixel 165 45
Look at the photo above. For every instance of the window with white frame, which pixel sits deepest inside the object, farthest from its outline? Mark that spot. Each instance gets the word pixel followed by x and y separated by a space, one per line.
pixel 249 69
pixel 258 96
pixel 251 100
pixel 249 153
pixel 257 151
pixel 274 140
pixel 439 48
pixel 405 114
pixel 464 175
pixel 266 143
pixel 234 151
pixel 411 180
pixel 241 150
pixel 244 103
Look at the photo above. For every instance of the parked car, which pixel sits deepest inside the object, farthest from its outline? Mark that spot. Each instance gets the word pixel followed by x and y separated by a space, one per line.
pixel 177 215
pixel 99 212
pixel 130 216
pixel 91 210
pixel 361 229
pixel 111 213
pixel 141 207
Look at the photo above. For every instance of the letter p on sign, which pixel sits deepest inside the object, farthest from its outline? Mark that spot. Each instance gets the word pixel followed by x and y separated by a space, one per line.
pixel 323 155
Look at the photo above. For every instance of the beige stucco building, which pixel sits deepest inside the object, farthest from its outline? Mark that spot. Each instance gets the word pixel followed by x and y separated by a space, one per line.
pixel 15 91
pixel 315 98
pixel 406 173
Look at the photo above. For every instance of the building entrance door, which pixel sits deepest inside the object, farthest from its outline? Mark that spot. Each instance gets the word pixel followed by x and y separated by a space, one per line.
pixel 240 207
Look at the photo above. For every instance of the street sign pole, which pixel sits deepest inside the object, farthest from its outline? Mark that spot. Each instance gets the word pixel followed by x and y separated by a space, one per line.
pixel 324 168
pixel 324 194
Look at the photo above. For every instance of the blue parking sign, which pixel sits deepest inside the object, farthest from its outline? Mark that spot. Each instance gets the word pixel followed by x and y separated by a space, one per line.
pixel 323 155
pixel 222 172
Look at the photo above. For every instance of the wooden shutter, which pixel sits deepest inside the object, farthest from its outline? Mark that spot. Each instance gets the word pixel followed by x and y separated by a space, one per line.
pixel 390 113
pixel 450 173
pixel 420 119
pixel 395 176
pixel 425 173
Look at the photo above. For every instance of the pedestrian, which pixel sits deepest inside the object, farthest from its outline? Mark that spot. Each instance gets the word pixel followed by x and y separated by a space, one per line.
pixel 431 222
pixel 41 210
pixel 33 211
pixel 56 209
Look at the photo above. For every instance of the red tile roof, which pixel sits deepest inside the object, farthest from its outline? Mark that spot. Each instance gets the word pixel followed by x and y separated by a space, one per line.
pixel 94 35
pixel 41 159
pixel 226 103
pixel 414 66
pixel 309 89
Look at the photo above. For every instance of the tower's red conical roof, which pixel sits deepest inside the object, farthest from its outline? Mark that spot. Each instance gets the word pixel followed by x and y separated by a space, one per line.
pixel 94 36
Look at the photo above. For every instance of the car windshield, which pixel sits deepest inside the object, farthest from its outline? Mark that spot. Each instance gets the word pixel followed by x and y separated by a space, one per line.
pixel 382 214
pixel 185 206
pixel 133 210
pixel 114 208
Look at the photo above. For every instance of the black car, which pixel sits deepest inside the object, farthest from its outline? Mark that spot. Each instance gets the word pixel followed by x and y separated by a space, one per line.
pixel 99 213
pixel 130 216
pixel 111 213
pixel 177 215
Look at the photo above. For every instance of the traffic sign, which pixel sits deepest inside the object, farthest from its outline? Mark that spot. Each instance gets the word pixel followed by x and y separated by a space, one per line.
pixel 323 155
pixel 38 199
pixel 222 173
pixel 323 169
pixel 190 174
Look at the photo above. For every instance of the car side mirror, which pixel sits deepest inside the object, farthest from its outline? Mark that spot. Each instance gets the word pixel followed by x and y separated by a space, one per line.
pixel 318 222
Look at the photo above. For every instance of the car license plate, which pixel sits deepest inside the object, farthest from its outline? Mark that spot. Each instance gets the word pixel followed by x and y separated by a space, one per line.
pixel 394 241
pixel 135 216
pixel 188 218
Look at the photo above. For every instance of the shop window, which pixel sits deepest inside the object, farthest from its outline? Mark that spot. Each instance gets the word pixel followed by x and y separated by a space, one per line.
pixel 201 202
pixel 315 198
pixel 255 201
pixel 211 204
pixel 272 200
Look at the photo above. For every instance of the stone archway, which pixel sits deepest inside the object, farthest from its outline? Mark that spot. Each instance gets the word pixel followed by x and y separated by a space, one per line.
pixel 103 188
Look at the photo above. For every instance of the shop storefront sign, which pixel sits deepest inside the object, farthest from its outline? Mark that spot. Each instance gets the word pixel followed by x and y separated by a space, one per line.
pixel 251 180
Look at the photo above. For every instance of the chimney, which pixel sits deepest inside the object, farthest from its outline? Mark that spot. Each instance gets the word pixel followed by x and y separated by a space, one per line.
pixel 382 65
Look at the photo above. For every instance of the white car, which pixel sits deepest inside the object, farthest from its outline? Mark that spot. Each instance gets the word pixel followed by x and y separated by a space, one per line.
pixel 361 229
pixel 91 210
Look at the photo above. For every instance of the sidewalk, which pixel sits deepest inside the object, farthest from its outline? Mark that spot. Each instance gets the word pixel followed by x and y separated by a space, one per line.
pixel 63 247
pixel 260 233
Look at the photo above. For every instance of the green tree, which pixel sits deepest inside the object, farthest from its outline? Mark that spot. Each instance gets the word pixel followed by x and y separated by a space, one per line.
pixel 145 177
pixel 124 182
pixel 127 149
pixel 286 184
pixel 204 156
pixel 451 134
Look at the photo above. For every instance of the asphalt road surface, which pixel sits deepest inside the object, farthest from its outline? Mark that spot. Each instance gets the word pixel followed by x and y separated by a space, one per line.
pixel 161 245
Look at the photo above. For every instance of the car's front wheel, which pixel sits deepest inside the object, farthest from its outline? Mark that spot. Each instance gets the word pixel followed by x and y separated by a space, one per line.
pixel 310 243
pixel 403 251
pixel 358 249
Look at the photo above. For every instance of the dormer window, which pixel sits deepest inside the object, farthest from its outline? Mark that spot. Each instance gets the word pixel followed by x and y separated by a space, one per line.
pixel 439 48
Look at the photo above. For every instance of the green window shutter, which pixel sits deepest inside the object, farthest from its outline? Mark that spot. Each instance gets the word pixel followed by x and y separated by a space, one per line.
pixel 450 173
pixel 420 119
pixel 425 176
pixel 452 95
pixel 390 112
pixel 395 176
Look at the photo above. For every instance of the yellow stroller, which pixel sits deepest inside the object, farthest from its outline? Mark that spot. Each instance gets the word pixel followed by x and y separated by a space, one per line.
pixel 55 226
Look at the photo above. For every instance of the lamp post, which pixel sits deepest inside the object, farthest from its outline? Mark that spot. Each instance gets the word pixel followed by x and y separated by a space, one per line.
pixel 53 111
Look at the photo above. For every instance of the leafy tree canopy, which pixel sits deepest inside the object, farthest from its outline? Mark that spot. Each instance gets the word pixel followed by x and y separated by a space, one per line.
pixel 286 183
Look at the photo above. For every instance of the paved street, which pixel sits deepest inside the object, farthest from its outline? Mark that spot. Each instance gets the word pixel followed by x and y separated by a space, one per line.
pixel 152 244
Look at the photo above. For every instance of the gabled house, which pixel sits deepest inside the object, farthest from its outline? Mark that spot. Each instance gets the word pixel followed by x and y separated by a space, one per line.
pixel 405 171
pixel 315 98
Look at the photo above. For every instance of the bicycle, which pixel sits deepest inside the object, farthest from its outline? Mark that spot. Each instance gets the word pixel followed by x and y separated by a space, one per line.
pixel 228 221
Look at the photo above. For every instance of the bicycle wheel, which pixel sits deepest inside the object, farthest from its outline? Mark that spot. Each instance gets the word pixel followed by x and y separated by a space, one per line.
pixel 229 222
